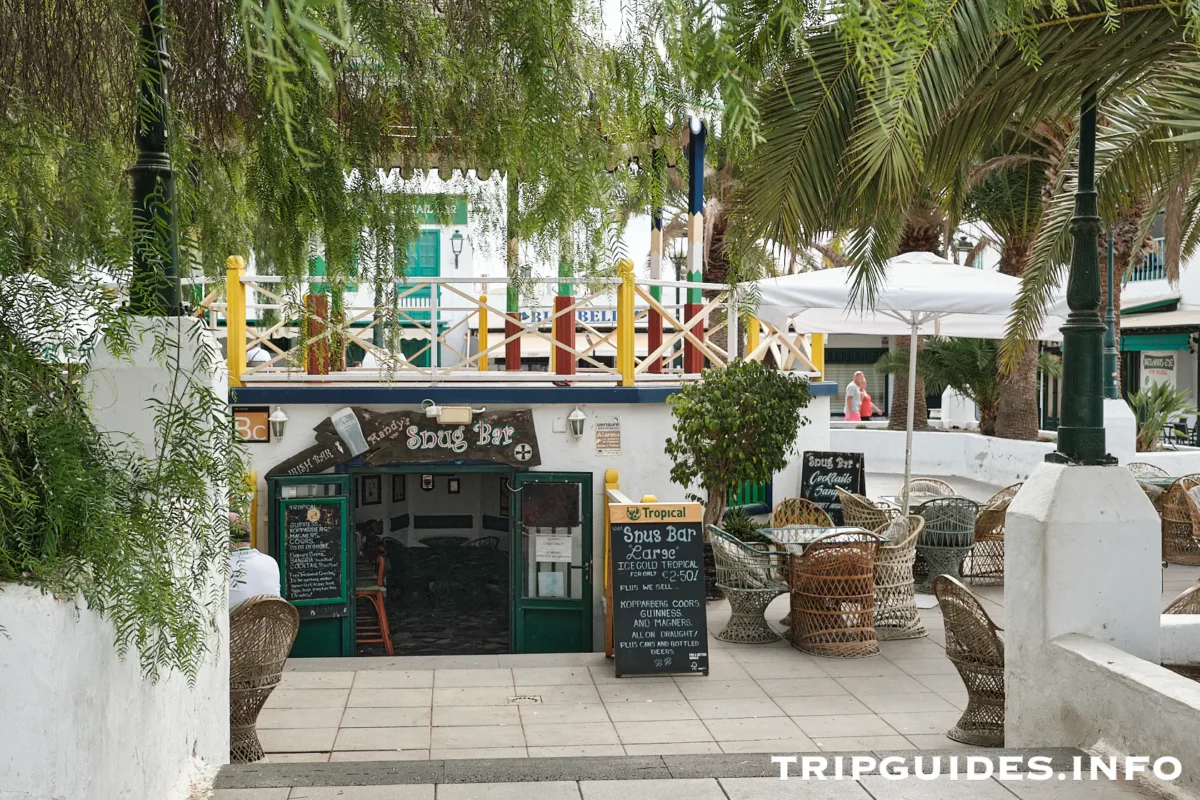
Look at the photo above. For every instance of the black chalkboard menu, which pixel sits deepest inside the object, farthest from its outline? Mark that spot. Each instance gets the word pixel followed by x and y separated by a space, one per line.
pixel 659 621
pixel 314 554
pixel 821 474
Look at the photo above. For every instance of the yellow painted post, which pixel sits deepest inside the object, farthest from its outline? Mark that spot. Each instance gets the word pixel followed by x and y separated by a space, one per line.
pixel 483 332
pixel 610 482
pixel 625 311
pixel 235 318
pixel 753 333
pixel 649 498
pixel 818 352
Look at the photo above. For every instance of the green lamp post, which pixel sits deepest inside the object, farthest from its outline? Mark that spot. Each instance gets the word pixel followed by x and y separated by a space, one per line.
pixel 154 288
pixel 1081 434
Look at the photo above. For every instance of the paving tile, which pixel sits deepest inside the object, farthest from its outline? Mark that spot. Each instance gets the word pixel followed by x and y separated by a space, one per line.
pixel 472 696
pixel 795 744
pixel 403 717
pixel 578 733
pixel 801 687
pixel 296 758
pixel 418 791
pixel 270 718
pixel 382 739
pixel 649 710
pixel 307 698
pixel 552 660
pixel 477 736
pixel 833 744
pixel 662 732
pixel 316 680
pixel 821 706
pixel 926 666
pixel 605 674
pixel 551 676
pixel 712 689
pixel 394 679
pixel 379 755
pixel 844 725
pixel 942 788
pixel 559 713
pixel 775 789
pixel 926 647
pixel 251 794
pixel 457 716
pixel 1076 790
pixel 860 667
pixel 780 651
pixel 389 698
pixel 548 790
pixel 444 678
pixel 940 683
pixel 438 753
pixel 922 722
pixel 634 691
pixel 938 741
pixel 672 749
pixel 576 751
pixel 726 730
pixel 678 789
pixel 736 707
pixel 564 693
pixel 760 670
pixel 886 684
pixel 902 703
pixel 297 740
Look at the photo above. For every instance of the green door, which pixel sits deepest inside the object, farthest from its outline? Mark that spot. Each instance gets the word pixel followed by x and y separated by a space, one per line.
pixel 552 562
pixel 424 261
pixel 326 606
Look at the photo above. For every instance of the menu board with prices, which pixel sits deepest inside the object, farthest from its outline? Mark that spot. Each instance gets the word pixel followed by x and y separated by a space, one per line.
pixel 313 554
pixel 822 474
pixel 660 624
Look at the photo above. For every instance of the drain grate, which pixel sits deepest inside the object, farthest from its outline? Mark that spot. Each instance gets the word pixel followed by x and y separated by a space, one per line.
pixel 525 700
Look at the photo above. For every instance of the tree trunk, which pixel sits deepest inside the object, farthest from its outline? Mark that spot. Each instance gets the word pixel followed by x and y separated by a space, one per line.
pixel 987 420
pixel 1016 415
pixel 922 233
pixel 714 508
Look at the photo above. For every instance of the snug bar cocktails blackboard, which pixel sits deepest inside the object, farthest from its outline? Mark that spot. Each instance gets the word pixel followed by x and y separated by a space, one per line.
pixel 659 622
pixel 822 473
pixel 314 553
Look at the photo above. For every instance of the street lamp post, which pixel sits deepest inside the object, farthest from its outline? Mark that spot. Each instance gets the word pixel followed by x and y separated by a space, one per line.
pixel 154 289
pixel 1110 333
pixel 1081 434
pixel 456 246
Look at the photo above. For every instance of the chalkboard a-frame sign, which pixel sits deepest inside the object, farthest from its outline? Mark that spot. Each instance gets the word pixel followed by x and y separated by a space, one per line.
pixel 313 556
pixel 659 617
pixel 823 473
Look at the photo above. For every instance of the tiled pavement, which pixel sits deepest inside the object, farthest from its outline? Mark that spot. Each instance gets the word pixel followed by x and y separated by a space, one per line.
pixel 758 698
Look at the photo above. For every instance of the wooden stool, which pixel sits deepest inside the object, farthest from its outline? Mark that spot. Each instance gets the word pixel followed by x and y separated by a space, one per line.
pixel 366 629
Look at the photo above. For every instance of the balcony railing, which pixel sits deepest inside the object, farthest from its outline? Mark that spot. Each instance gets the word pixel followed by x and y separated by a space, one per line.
pixel 1153 266
pixel 447 323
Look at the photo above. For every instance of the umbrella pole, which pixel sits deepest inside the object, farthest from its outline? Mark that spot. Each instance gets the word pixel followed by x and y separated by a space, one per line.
pixel 908 431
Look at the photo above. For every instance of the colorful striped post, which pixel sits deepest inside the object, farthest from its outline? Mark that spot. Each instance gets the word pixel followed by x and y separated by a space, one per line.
pixel 563 362
pixel 693 358
pixel 512 349
pixel 235 318
pixel 654 328
pixel 625 311
pixel 753 333
pixel 818 353
pixel 483 331
pixel 316 350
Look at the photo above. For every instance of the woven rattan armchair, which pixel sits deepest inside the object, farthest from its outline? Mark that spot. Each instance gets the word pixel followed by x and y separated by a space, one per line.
pixel 833 596
pixel 896 615
pixel 946 540
pixel 985 564
pixel 798 511
pixel 261 633
pixel 751 576
pixel 1188 602
pixel 974 646
pixel 1141 469
pixel 930 486
pixel 862 512
pixel 1179 542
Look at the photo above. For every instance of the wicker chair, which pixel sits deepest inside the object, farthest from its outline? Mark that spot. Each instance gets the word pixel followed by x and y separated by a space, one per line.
pixel 751 576
pixel 798 511
pixel 930 486
pixel 861 512
pixel 946 540
pixel 1179 542
pixel 371 627
pixel 261 633
pixel 1141 469
pixel 985 564
pixel 974 646
pixel 833 596
pixel 896 615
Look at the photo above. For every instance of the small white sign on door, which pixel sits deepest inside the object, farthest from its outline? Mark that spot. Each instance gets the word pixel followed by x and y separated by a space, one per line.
pixel 552 584
pixel 552 547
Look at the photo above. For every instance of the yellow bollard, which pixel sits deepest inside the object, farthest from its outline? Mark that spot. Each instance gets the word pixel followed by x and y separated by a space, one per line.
pixel 625 312
pixel 649 498
pixel 483 332
pixel 235 318
pixel 818 353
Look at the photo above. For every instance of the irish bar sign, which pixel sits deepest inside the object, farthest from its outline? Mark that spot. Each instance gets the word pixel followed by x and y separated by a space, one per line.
pixel 659 617
pixel 386 437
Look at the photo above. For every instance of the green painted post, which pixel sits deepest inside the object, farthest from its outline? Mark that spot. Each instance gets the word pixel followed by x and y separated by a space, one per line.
pixel 154 289
pixel 1081 434
pixel 1110 333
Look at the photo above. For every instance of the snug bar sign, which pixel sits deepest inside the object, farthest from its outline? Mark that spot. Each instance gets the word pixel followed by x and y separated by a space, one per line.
pixel 386 437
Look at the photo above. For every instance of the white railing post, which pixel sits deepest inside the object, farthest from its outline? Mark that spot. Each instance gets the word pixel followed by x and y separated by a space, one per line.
pixel 733 350
pixel 433 329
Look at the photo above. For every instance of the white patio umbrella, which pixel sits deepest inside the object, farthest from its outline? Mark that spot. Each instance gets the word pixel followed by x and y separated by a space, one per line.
pixel 922 294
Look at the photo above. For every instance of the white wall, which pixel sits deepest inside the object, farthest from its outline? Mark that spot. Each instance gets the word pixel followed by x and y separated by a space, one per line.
pixel 988 459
